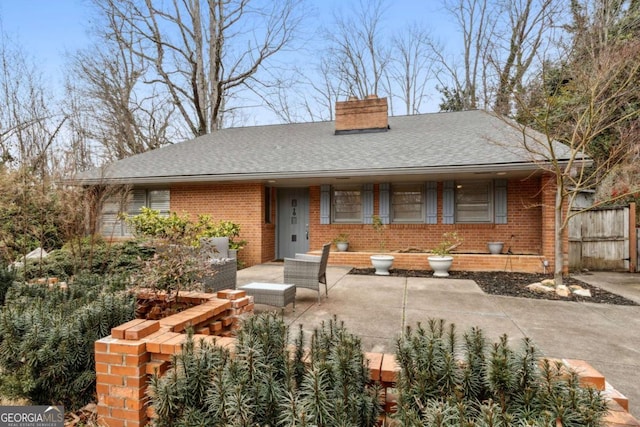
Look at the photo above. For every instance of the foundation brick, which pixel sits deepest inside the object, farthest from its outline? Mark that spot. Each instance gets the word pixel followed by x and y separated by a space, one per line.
pixel 128 392
pixel 154 346
pixel 173 345
pixel 374 364
pixel 141 330
pixel 231 294
pixel 132 360
pixel 588 374
pixel 128 371
pixel 109 379
pixel 119 331
pixel 136 348
pixel 128 415
pixel 389 369
pixel 111 422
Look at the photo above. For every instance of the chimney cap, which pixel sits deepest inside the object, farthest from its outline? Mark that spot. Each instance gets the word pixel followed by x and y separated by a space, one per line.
pixel 372 96
pixel 353 98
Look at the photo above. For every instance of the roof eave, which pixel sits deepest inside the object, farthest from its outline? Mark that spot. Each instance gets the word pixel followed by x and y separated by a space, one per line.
pixel 319 174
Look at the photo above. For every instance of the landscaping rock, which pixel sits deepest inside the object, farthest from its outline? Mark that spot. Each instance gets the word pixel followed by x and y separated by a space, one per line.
pixel 582 292
pixel 540 288
pixel 549 282
pixel 563 291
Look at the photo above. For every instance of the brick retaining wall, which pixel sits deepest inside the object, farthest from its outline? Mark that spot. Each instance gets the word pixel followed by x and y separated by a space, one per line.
pixel 135 350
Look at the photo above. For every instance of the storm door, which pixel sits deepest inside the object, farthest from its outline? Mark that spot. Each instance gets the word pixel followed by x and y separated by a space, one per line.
pixel 293 221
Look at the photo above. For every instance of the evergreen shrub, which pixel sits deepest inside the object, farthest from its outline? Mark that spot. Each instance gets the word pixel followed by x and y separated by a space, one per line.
pixel 268 383
pixel 47 338
pixel 448 382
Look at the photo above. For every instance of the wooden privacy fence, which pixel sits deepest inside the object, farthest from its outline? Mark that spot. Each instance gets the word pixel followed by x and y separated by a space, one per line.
pixel 604 239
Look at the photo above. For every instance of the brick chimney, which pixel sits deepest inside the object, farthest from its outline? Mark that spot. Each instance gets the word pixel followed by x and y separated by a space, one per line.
pixel 362 115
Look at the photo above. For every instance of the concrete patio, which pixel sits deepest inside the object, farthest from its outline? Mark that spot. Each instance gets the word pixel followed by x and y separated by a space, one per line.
pixel 378 309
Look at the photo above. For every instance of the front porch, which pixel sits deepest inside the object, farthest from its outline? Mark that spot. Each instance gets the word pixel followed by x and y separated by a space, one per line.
pixel 469 262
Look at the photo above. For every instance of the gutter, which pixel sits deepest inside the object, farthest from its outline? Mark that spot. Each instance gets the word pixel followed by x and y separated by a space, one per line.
pixel 317 174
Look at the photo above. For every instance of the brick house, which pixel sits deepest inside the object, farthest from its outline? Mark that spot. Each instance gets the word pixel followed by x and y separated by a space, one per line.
pixel 293 187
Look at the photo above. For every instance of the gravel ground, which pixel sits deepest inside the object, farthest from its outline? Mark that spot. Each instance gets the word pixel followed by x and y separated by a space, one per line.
pixel 512 284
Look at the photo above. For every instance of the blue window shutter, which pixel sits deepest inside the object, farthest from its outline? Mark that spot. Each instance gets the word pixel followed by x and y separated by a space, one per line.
pixel 500 201
pixel 448 202
pixel 367 203
pixel 384 203
pixel 325 204
pixel 431 200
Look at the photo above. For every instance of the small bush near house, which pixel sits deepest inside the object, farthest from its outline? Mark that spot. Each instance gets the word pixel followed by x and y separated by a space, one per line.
pixel 150 224
pixel 88 257
pixel 265 384
pixel 47 338
pixel 444 382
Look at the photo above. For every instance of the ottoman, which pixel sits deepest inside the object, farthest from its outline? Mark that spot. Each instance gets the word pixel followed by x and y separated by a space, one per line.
pixel 276 294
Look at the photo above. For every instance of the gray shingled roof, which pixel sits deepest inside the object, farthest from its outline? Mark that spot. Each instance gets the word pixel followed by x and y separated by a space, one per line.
pixel 428 143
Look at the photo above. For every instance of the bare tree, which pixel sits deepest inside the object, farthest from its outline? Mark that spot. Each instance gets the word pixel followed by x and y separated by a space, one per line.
pixel 126 117
pixel 199 51
pixel 29 120
pixel 588 104
pixel 527 29
pixel 357 55
pixel 465 76
pixel 410 70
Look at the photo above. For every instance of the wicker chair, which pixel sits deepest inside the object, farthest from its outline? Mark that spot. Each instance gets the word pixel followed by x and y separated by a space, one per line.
pixel 308 271
pixel 223 268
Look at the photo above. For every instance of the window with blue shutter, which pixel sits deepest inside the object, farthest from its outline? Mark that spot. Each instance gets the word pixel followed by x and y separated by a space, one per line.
pixel 431 202
pixel 384 203
pixel 448 202
pixel 367 203
pixel 500 200
pixel 325 204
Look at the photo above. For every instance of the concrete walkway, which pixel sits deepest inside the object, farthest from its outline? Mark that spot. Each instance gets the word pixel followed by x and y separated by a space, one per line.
pixel 378 309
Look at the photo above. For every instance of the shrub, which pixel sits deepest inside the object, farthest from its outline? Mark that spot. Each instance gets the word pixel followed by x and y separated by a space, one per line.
pixel 445 384
pixel 47 338
pixel 6 280
pixel 263 385
pixel 150 224
pixel 88 257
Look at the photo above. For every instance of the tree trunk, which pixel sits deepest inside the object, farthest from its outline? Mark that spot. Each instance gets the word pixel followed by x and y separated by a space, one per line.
pixel 558 231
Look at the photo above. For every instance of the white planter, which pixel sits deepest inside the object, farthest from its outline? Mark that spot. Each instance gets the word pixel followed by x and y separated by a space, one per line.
pixel 382 264
pixel 495 248
pixel 342 246
pixel 440 265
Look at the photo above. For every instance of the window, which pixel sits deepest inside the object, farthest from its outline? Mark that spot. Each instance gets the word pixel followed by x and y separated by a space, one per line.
pixel 346 204
pixel 474 201
pixel 407 203
pixel 111 223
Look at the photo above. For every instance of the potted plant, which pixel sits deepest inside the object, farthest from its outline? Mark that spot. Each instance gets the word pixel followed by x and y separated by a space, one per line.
pixel 495 248
pixel 381 262
pixel 441 260
pixel 342 242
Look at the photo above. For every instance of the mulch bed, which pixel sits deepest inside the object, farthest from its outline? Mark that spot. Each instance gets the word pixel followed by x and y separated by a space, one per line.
pixel 512 284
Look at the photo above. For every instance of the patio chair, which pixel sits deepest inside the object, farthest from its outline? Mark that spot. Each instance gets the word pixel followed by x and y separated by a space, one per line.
pixel 221 262
pixel 308 271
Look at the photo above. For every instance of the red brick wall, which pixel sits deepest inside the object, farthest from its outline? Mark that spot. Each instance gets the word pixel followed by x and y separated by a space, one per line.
pixel 524 223
pixel 530 205
pixel 240 203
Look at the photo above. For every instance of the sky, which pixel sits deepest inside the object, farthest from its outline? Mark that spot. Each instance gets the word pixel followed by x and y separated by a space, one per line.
pixel 48 30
